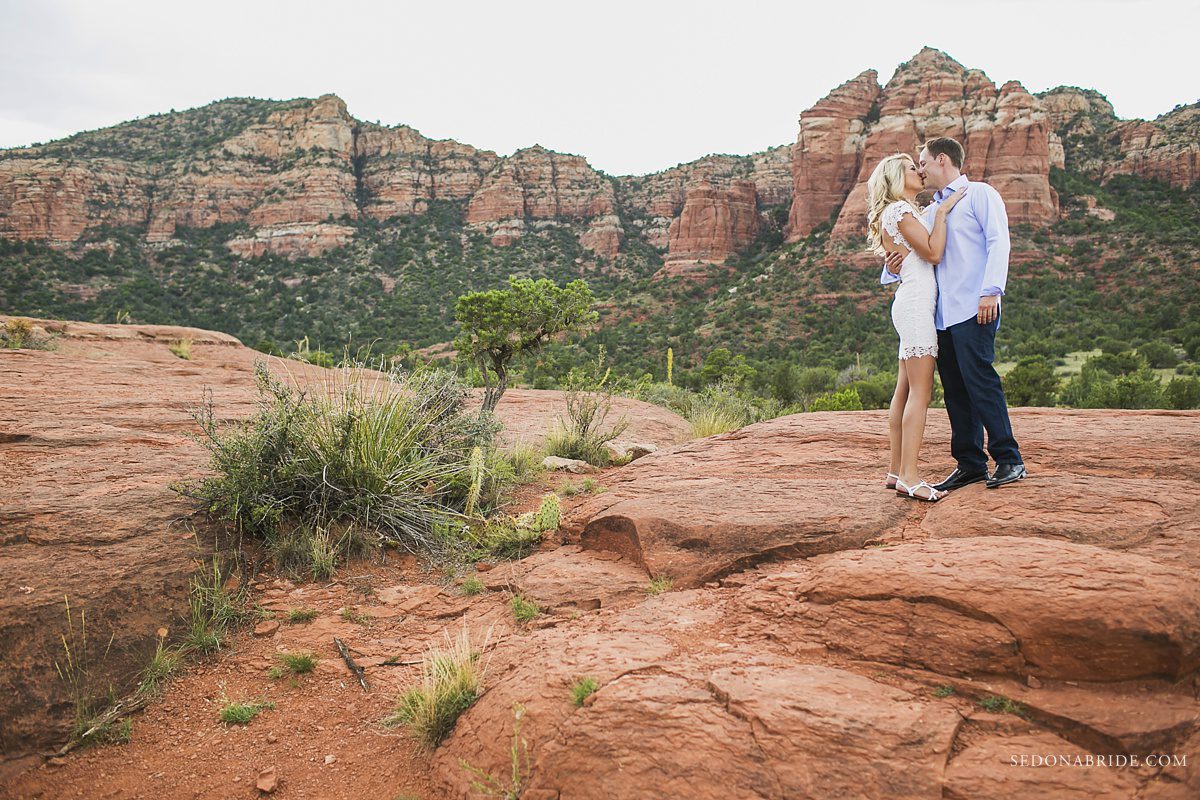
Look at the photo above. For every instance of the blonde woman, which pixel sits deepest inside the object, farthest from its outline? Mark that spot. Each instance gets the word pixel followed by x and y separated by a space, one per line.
pixel 896 224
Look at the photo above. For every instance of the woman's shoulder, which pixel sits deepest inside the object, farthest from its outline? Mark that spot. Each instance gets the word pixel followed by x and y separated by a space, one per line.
pixel 898 208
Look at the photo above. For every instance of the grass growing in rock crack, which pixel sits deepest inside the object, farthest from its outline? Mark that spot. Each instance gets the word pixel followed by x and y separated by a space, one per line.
pixel 451 677
pixel 182 349
pixel 296 616
pixel 943 691
pixel 354 615
pixel 523 610
pixel 472 585
pixel 582 690
pixel 999 704
pixel 235 712
pixel 585 486
pixel 488 784
pixel 659 585
pixel 298 662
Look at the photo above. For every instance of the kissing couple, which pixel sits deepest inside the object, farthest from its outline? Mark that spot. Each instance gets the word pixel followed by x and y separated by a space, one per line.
pixel 951 259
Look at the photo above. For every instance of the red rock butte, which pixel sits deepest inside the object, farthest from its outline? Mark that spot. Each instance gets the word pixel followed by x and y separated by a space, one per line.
pixel 820 637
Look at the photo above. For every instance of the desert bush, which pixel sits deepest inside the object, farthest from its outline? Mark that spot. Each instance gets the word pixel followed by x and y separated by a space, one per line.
pixel 1031 382
pixel 582 689
pixel 235 712
pixel 523 610
pixel 349 463
pixel 843 400
pixel 1183 393
pixel 18 334
pixel 451 677
pixel 1159 354
pixel 582 434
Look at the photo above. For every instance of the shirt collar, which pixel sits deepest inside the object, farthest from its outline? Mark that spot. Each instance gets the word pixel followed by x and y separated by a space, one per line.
pixel 952 187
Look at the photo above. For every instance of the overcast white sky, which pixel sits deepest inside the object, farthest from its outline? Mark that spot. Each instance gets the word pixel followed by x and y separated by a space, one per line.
pixel 633 86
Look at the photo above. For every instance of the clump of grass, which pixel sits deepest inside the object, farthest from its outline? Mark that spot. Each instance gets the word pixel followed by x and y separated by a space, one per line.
pixel 76 671
pixel 472 585
pixel 523 610
pixel 659 585
pixel 999 704
pixel 355 458
pixel 162 666
pixel 451 677
pixel 582 690
pixel 351 614
pixel 585 486
pixel 526 460
pixel 182 349
pixel 214 608
pixel 943 691
pixel 235 712
pixel 298 662
pixel 296 616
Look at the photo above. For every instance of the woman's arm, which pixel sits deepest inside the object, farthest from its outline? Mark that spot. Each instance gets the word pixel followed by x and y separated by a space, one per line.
pixel 930 245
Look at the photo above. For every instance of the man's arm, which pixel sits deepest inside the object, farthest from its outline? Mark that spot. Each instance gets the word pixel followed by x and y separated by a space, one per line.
pixel 887 276
pixel 994 219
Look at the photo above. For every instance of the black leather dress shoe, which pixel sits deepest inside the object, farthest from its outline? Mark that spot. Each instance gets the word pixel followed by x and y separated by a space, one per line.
pixel 959 479
pixel 1006 473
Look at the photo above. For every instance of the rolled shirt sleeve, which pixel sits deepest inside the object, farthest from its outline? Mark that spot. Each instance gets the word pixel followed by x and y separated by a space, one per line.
pixel 887 277
pixel 994 219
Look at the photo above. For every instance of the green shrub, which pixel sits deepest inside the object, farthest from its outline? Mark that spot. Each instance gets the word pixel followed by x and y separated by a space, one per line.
pixel 1183 393
pixel 299 615
pixel 298 662
pixel 844 400
pixel 1031 382
pixel 182 349
pixel 1159 355
pixel 354 460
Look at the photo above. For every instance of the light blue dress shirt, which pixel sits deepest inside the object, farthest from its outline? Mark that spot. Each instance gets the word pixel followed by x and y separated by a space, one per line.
pixel 975 262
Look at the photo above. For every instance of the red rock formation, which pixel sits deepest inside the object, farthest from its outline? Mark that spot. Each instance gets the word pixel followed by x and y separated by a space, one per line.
pixel 715 222
pixel 1005 134
pixel 1166 149
pixel 827 154
pixel 57 200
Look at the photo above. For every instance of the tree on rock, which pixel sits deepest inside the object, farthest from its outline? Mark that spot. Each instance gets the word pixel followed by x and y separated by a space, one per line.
pixel 500 324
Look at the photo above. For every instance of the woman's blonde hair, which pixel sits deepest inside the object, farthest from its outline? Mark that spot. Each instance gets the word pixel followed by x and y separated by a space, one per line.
pixel 884 187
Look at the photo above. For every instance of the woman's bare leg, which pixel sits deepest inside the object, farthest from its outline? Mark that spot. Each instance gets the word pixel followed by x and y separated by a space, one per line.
pixel 896 418
pixel 920 388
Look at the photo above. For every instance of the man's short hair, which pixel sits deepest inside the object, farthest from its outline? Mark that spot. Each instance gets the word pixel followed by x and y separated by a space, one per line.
pixel 944 145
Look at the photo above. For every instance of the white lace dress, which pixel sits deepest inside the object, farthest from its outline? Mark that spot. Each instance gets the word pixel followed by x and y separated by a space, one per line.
pixel 916 300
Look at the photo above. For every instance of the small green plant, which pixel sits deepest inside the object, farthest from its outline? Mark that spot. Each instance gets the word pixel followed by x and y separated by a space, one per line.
pixel 162 666
pixel 585 486
pixel 18 334
pixel 214 608
pixel 489 784
pixel 659 585
pixel 298 662
pixel 451 677
pixel 582 690
pixel 296 616
pixel 238 713
pixel 998 704
pixel 182 349
pixel 351 614
pixel 504 537
pixel 943 691
pixel 472 585
pixel 523 610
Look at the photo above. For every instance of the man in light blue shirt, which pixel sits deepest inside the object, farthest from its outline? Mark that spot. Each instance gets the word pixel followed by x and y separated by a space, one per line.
pixel 971 279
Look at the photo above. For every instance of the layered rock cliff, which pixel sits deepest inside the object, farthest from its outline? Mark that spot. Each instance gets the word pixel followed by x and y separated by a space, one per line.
pixel 293 178
pixel 1004 130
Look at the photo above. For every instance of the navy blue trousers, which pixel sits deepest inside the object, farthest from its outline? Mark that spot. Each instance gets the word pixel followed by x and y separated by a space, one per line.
pixel 974 397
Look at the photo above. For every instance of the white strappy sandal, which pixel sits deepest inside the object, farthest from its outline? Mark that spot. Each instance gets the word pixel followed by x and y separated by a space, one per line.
pixel 890 476
pixel 911 491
